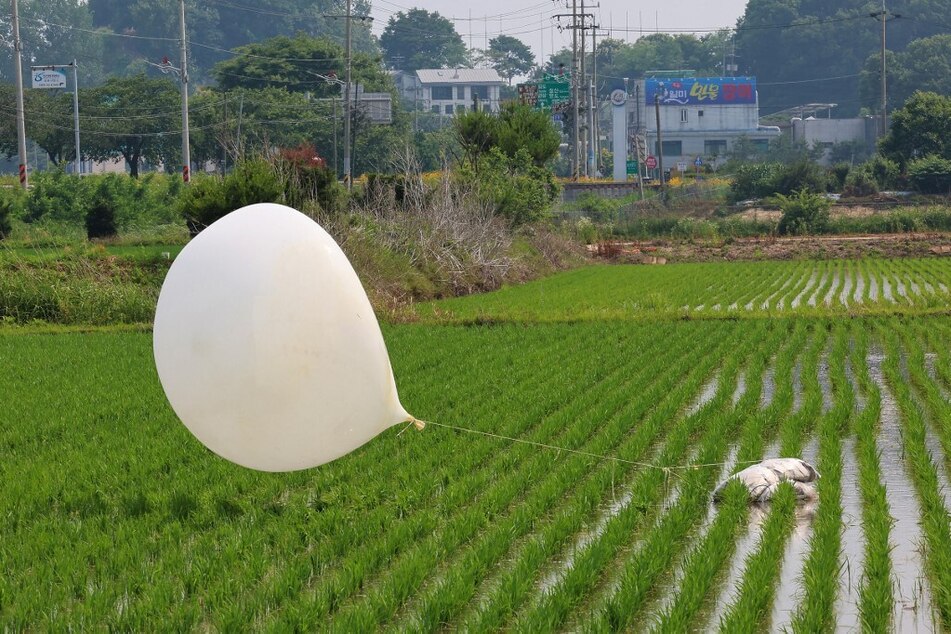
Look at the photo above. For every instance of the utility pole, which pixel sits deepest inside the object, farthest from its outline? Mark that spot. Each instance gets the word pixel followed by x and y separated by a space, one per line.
pixel 575 169
pixel 186 149
pixel 347 112
pixel 884 15
pixel 79 161
pixel 348 106
pixel 660 148
pixel 21 121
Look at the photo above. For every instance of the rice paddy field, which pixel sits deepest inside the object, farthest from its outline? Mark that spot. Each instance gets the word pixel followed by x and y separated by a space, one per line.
pixel 640 388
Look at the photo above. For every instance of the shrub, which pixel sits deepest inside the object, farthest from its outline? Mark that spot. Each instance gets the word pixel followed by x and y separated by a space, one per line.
pixel 838 174
pixel 860 182
pixel 56 196
pixel 595 207
pixel 883 171
pixel 803 212
pixel 754 180
pixel 799 176
pixel 101 217
pixel 210 198
pixel 305 177
pixel 6 210
pixel 930 175
pixel 692 229
pixel 514 188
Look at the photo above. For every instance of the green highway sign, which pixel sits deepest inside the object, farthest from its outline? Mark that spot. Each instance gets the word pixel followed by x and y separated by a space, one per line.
pixel 632 167
pixel 552 92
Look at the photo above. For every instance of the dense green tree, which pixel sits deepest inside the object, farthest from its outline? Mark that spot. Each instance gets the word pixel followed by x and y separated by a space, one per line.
pixel 919 128
pixel 49 122
pixel 137 118
pixel 517 128
pixel 217 27
pixel 806 51
pixel 53 32
pixel 299 64
pixel 925 65
pixel 419 39
pixel 509 56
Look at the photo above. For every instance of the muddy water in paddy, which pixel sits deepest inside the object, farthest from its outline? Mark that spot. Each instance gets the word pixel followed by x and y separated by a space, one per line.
pixel 859 287
pixel 813 298
pixel 846 293
pixel 706 395
pixel 836 280
pixel 872 288
pixel 853 542
pixel 805 289
pixel 913 604
pixel 769 388
pixel 794 555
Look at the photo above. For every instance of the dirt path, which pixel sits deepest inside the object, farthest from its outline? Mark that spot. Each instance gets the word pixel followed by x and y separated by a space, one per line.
pixel 774 248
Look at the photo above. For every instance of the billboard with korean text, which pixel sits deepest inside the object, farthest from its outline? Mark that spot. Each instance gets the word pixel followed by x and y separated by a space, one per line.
pixel 700 91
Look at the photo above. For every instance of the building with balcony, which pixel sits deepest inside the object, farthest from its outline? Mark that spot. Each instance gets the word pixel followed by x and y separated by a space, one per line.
pixel 446 91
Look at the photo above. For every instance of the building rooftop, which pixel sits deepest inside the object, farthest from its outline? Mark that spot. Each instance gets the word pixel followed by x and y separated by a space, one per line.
pixel 459 76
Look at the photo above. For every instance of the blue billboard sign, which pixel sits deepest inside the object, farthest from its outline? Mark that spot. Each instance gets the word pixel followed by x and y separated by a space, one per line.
pixel 700 91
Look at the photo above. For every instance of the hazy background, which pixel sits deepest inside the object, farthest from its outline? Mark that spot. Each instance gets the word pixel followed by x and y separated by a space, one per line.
pixel 533 21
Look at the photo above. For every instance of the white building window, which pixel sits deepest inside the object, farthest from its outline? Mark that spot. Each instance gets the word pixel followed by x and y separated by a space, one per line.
pixel 683 115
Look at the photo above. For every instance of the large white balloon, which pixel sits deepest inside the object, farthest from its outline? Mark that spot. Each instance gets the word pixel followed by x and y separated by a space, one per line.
pixel 267 346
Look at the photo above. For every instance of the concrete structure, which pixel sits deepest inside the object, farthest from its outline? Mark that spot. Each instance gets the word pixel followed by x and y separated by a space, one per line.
pixel 827 132
pixel 447 91
pixel 699 117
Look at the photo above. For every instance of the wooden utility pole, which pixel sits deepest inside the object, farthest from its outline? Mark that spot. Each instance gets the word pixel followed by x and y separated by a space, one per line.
pixel 21 121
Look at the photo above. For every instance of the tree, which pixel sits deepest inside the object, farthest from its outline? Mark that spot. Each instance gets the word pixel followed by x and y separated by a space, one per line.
pixel 925 65
pixel 509 56
pixel 919 128
pixel 53 32
pixel 420 39
pixel 299 64
pixel 137 118
pixel 49 123
pixel 217 27
pixel 516 129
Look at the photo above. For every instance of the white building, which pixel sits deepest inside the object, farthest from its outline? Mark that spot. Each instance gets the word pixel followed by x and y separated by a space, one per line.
pixel 447 91
pixel 699 117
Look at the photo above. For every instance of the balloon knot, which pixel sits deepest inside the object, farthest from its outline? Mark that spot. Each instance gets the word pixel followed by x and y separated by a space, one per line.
pixel 420 425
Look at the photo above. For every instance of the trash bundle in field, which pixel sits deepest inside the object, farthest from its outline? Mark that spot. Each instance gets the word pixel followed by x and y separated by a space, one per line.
pixel 763 479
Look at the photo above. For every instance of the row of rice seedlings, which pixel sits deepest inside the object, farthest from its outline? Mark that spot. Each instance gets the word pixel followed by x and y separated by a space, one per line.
pixel 100 364
pixel 803 273
pixel 451 492
pixel 651 560
pixel 938 333
pixel 751 607
pixel 769 279
pixel 474 567
pixel 346 552
pixel 937 407
pixel 644 495
pixel 936 523
pixel 876 599
pixel 406 577
pixel 705 563
pixel 818 277
pixel 820 575
pixel 553 532
pixel 732 277
pixel 403 575
pixel 515 582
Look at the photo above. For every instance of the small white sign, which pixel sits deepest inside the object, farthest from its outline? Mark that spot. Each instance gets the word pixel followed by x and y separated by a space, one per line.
pixel 618 97
pixel 49 79
pixel 682 166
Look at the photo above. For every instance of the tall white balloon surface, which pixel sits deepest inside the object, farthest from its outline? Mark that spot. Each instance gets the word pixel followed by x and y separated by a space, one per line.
pixel 267 346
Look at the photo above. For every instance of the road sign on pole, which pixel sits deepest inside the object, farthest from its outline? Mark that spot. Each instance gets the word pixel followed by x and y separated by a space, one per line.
pixel 651 162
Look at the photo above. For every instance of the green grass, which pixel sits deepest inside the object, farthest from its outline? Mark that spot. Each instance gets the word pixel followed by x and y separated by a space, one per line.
pixel 114 517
